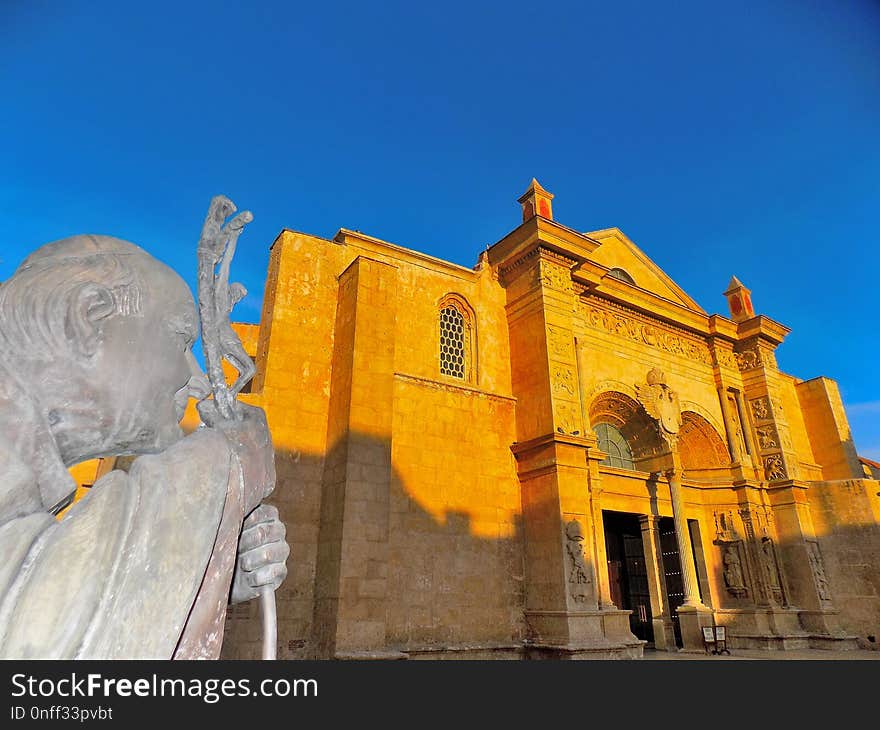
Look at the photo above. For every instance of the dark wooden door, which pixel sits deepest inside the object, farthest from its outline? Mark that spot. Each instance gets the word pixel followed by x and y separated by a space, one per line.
pixel 627 571
pixel 672 572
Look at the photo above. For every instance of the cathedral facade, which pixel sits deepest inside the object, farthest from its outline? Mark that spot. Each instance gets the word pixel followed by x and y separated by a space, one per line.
pixel 555 453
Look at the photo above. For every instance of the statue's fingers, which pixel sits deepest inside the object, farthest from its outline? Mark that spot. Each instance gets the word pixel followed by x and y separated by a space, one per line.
pixel 275 552
pixel 262 513
pixel 254 537
pixel 269 575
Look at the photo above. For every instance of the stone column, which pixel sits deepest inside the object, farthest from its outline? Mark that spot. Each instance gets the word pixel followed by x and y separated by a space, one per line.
pixel 664 634
pixel 733 446
pixel 745 423
pixel 692 615
pixel 683 538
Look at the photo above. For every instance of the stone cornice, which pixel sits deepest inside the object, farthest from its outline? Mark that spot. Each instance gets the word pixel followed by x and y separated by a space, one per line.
pixel 538 231
pixel 764 328
pixel 354 238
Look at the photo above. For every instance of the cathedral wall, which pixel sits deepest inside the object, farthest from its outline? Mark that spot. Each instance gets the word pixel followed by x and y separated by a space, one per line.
pixel 846 517
pixel 454 565
pixel 798 428
pixel 294 351
pixel 828 428
pixel 455 568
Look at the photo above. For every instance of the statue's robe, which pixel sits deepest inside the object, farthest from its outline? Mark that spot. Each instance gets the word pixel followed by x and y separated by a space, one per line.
pixel 138 568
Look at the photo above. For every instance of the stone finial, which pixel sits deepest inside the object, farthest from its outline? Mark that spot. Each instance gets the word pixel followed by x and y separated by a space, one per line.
pixel 739 299
pixel 536 201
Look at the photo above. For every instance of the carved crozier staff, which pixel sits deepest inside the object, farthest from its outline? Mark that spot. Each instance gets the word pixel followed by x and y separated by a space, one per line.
pixel 217 297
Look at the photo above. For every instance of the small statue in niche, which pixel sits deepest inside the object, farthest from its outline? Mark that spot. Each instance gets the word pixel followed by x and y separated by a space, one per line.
pixel 771 569
pixel 578 575
pixel 733 573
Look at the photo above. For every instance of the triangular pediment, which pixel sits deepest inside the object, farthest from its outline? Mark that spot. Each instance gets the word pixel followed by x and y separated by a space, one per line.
pixel 616 251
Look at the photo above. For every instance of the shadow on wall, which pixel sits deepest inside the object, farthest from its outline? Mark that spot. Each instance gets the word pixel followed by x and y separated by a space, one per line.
pixel 369 556
pixel 837 571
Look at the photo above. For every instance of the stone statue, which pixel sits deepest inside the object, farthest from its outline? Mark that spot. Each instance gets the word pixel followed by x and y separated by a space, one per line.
pixel 96 360
pixel 578 577
pixel 733 574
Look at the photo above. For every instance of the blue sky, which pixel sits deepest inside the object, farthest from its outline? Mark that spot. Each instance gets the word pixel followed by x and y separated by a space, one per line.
pixel 723 138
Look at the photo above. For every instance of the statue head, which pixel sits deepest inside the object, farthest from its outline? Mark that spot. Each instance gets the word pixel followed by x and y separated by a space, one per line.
pixel 99 334
pixel 574 531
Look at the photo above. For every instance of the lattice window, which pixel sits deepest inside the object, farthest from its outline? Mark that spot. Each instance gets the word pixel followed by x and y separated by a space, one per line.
pixel 452 342
pixel 612 442
pixel 457 336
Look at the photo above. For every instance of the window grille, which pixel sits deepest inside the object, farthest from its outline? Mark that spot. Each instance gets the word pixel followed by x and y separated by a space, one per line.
pixel 452 343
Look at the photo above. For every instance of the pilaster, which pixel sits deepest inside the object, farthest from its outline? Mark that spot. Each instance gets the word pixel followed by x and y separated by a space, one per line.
pixel 350 590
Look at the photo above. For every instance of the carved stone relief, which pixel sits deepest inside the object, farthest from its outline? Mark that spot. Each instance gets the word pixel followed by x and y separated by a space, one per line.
pixel 818 567
pixel 725 358
pixel 770 568
pixel 649 334
pixel 568 418
pixel 760 408
pixel 767 437
pixel 554 276
pixel 774 467
pixel 579 581
pixel 748 359
pixel 559 343
pixel 733 573
pixel 563 381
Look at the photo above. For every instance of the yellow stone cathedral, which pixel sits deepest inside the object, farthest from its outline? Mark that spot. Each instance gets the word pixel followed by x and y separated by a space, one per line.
pixel 555 453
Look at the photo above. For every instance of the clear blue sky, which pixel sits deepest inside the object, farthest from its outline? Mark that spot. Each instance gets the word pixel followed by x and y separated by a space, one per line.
pixel 724 138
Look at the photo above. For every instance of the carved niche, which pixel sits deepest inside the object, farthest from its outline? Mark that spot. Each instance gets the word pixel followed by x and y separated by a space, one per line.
pixel 770 567
pixel 733 557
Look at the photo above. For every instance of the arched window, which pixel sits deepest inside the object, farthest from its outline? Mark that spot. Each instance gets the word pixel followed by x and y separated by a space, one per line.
pixel 618 273
pixel 612 442
pixel 456 338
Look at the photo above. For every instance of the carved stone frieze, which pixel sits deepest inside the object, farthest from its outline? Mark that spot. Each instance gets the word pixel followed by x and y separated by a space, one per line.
pixel 645 332
pixel 725 358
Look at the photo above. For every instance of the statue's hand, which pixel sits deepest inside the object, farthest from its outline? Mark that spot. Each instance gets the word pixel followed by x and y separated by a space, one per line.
pixel 250 438
pixel 262 554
